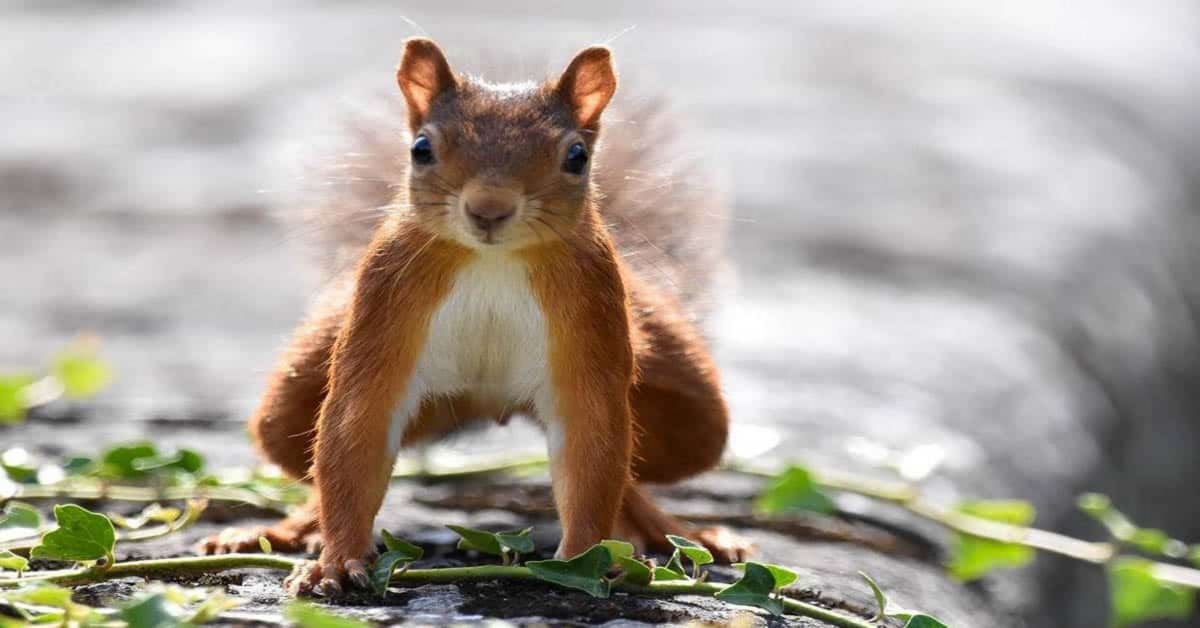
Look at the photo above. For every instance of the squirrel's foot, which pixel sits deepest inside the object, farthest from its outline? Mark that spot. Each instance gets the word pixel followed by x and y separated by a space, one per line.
pixel 239 540
pixel 327 577
pixel 300 532
pixel 725 546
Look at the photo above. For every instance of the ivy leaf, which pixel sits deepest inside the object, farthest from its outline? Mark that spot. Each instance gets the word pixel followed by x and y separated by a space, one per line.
pixel 584 572
pixel 12 397
pixel 793 490
pixel 518 541
pixel 921 620
pixel 1138 596
pixel 1149 540
pixel 20 516
pixel 753 589
pixel 618 549
pixel 152 611
pixel 399 551
pixel 80 372
pixel 664 573
pixel 478 540
pixel 215 603
pixel 974 557
pixel 82 535
pixel 384 567
pixel 53 596
pixel 118 461
pixel 396 544
pixel 306 615
pixel 783 576
pixel 17 465
pixel 914 619
pixel 635 571
pixel 153 512
pixel 697 553
pixel 676 564
pixel 12 562
pixel 186 460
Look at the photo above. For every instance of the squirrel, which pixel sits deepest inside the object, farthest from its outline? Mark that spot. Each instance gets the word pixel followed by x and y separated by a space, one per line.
pixel 494 287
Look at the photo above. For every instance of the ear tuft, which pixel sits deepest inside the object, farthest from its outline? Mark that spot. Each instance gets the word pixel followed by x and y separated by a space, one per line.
pixel 423 75
pixel 588 83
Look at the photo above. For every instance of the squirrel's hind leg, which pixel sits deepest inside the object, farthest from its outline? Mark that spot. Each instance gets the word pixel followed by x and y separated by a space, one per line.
pixel 283 428
pixel 646 526
pixel 680 428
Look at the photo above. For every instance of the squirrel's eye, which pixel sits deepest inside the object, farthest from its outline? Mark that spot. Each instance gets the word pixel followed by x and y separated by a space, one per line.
pixel 576 160
pixel 422 151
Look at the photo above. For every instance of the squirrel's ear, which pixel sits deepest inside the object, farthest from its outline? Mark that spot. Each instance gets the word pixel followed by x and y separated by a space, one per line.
pixel 588 84
pixel 423 75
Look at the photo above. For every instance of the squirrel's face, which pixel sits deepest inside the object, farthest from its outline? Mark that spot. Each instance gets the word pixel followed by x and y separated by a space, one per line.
pixel 504 166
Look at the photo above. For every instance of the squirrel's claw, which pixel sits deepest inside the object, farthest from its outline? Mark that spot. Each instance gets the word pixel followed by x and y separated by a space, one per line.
pixel 322 578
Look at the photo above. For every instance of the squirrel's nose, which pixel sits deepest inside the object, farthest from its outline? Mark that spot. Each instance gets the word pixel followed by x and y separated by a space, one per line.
pixel 489 216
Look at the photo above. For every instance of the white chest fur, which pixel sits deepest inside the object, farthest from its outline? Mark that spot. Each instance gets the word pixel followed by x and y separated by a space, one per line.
pixel 487 338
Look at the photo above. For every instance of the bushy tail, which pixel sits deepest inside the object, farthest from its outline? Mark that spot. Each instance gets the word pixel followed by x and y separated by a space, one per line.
pixel 662 204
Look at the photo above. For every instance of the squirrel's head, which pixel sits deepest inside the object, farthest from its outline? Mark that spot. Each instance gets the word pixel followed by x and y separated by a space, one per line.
pixel 502 165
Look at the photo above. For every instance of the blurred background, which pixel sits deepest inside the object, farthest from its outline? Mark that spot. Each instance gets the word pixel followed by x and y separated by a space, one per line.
pixel 962 228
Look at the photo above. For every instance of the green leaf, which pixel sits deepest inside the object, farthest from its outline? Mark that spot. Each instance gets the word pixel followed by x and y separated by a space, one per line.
pixel 215 603
pixel 478 540
pixel 921 620
pixel 12 397
pixel 81 373
pixel 118 461
pixel 618 549
pixel 1138 596
pixel 675 563
pixel 753 589
pixel 153 512
pixel 19 515
pixel 306 615
pixel 12 562
pixel 915 619
pixel 396 544
pixel 81 535
pixel 584 572
pixel 881 600
pixel 78 465
pixel 152 611
pixel 16 463
pixel 697 553
pixel 518 541
pixel 974 557
pixel 185 460
pixel 384 567
pixel 1195 555
pixel 783 576
pixel 663 573
pixel 264 544
pixel 53 596
pixel 793 490
pixel 636 572
pixel 496 543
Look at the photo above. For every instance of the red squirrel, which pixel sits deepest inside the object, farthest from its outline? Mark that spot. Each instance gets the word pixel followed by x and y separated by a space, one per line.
pixel 494 287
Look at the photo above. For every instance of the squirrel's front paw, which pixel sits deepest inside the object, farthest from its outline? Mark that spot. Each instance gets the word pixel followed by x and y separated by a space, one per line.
pixel 327 577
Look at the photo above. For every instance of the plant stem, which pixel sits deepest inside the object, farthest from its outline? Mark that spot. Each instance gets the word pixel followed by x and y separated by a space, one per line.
pixel 191 565
pixel 909 498
pixel 118 492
